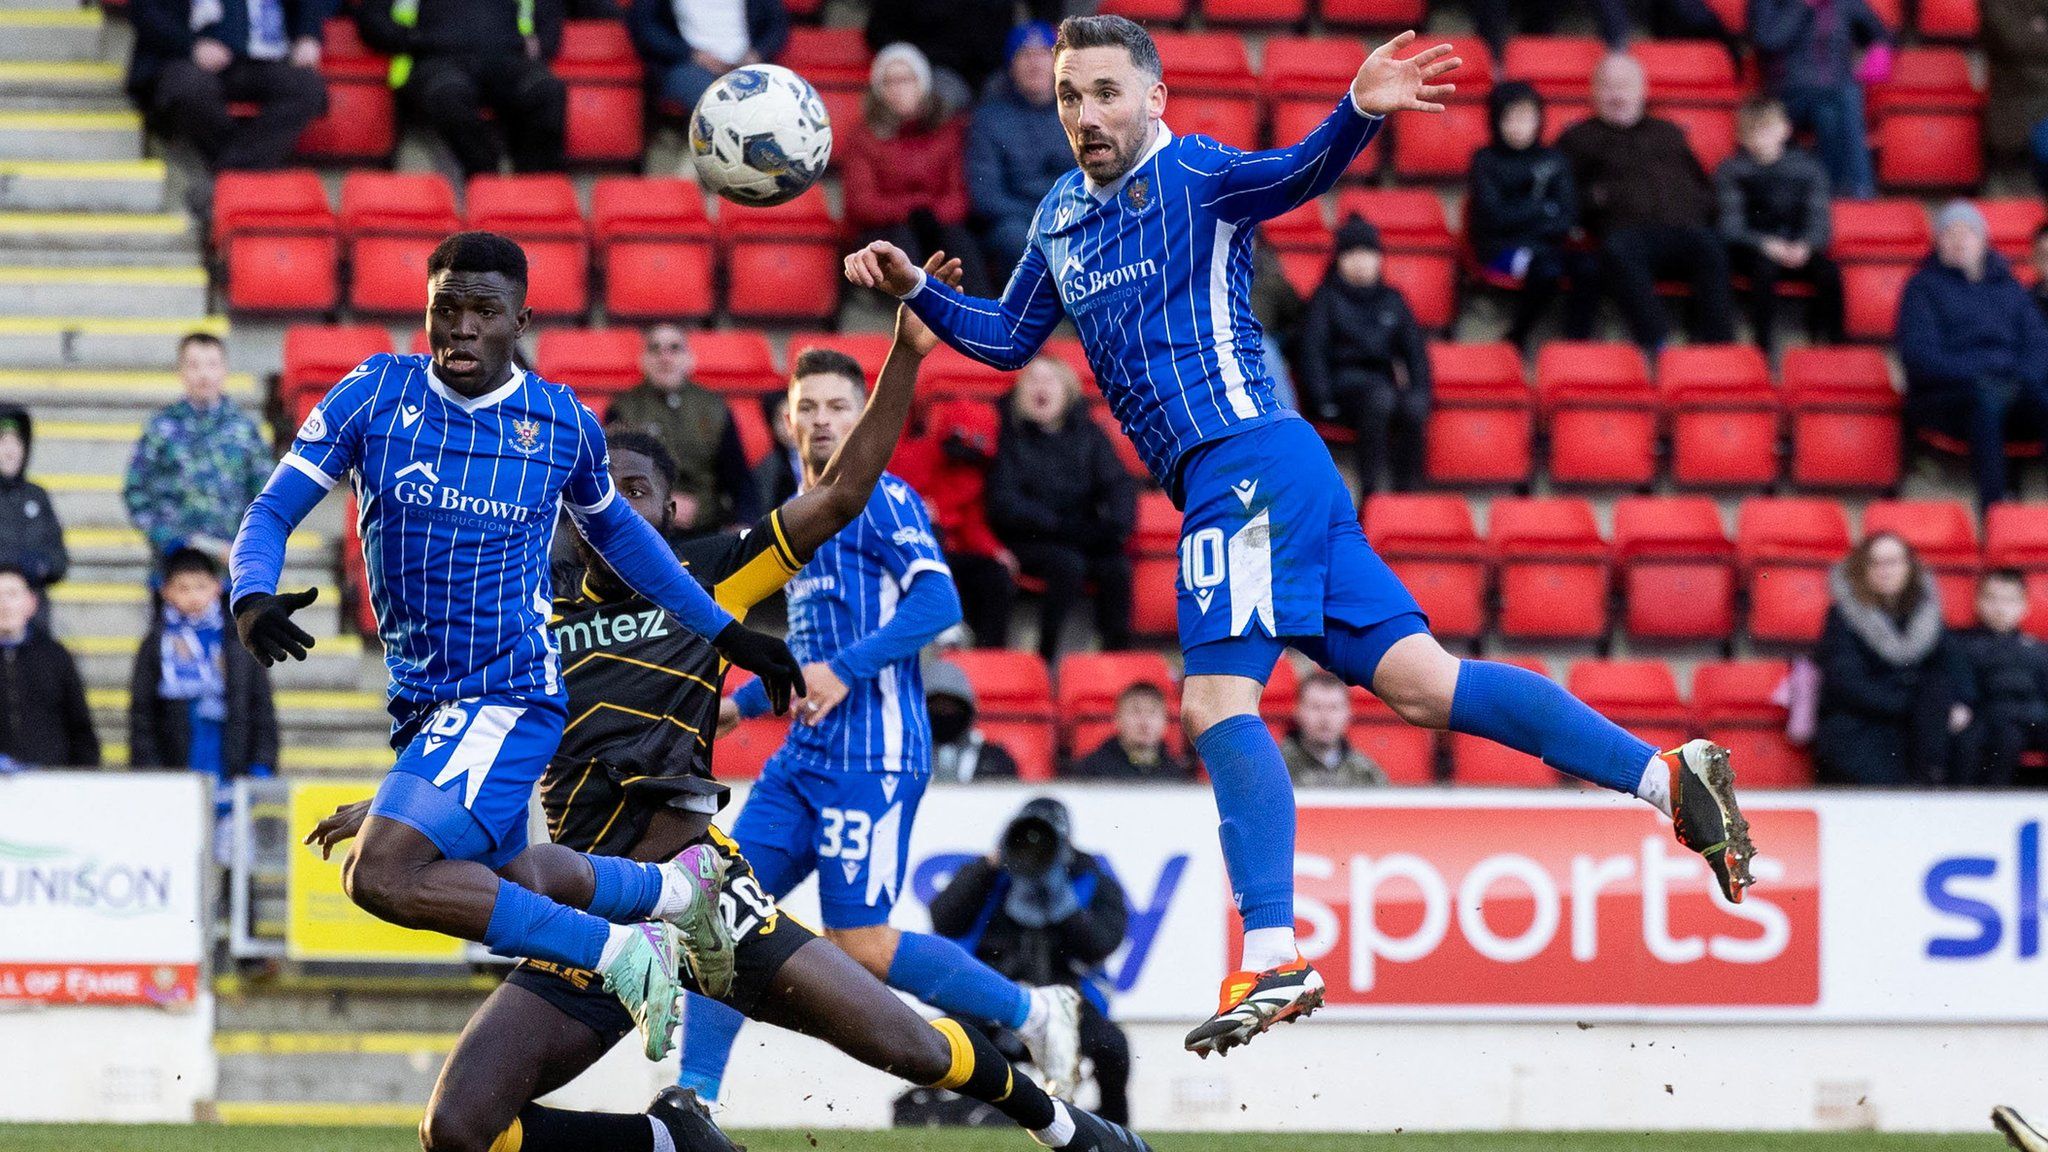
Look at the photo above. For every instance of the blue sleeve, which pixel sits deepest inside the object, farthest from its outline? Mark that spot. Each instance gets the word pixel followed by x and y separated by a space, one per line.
pixel 1262 185
pixel 930 607
pixel 752 699
pixel 1003 333
pixel 257 559
pixel 628 543
pixel 330 441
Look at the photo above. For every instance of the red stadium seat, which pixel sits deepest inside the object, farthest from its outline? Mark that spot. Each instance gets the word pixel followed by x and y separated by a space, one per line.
pixel 1089 683
pixel 946 373
pixel 1845 418
pixel 1368 14
pixel 540 212
pixel 392 222
pixel 1927 80
pixel 1893 230
pixel 1214 92
pixel 1602 413
pixel 1478 761
pixel 1483 421
pixel 1785 548
pixel 1254 12
pixel 599 363
pixel 1430 543
pixel 1944 534
pixel 1871 295
pixel 1553 569
pixel 1158 526
pixel 316 356
pixel 1406 753
pixel 361 121
pixel 1421 253
pixel 1724 415
pixel 750 424
pixel 1947 19
pixel 1305 77
pixel 2016 536
pixel 737 361
pixel 1677 571
pixel 782 262
pixel 1688 72
pixel 870 349
pixel 1929 151
pixel 605 105
pixel 1008 683
pixel 654 242
pixel 1155 603
pixel 1033 744
pixel 742 753
pixel 1709 130
pixel 2013 221
pixel 344 56
pixel 1733 704
pixel 835 57
pixel 1441 148
pixel 1560 67
pixel 1640 695
pixel 277 240
pixel 1154 12
pixel 1734 14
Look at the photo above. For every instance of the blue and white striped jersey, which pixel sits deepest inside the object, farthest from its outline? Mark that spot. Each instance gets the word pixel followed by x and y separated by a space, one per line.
pixel 1156 271
pixel 459 500
pixel 843 595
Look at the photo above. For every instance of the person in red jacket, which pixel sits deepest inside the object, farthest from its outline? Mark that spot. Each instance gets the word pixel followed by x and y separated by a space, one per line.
pixel 904 165
pixel 949 462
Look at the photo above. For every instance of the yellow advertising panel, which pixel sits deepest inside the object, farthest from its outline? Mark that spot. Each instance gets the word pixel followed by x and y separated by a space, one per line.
pixel 324 923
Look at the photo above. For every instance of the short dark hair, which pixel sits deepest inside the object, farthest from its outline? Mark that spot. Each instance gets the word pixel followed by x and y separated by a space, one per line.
pixel 183 560
pixel 1319 679
pixel 1077 32
pixel 203 339
pixel 479 252
pixel 1753 110
pixel 640 443
pixel 2004 576
pixel 829 362
pixel 1141 689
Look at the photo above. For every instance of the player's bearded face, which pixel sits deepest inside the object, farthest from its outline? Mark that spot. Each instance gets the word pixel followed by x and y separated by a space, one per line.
pixel 822 412
pixel 1107 106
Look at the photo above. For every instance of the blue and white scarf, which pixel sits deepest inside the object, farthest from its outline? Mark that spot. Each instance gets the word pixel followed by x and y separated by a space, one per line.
pixel 194 662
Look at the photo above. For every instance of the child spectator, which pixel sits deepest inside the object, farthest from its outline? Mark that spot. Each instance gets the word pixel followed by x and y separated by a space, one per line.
pixel 30 536
pixel 2005 682
pixel 961 752
pixel 1809 53
pixel 1520 204
pixel 1137 749
pixel 200 462
pixel 1364 362
pixel 904 166
pixel 1887 673
pixel 1319 754
pixel 45 721
pixel 1775 217
pixel 196 698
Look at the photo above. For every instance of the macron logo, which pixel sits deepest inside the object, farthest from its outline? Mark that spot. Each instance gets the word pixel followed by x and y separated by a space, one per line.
pixel 1246 490
pixel 409 415
pixel 419 468
pixel 897 492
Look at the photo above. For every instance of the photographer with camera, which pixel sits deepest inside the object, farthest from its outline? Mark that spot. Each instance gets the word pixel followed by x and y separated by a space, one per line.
pixel 1040 911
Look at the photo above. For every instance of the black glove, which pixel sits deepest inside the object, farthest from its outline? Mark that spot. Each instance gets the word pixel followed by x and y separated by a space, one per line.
pixel 766 657
pixel 265 623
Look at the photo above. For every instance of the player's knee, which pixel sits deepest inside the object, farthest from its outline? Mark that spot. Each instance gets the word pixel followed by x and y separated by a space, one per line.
pixel 378 886
pixel 447 1129
pixel 1417 680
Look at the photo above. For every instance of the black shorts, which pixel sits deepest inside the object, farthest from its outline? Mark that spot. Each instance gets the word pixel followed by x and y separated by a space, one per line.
pixel 764 940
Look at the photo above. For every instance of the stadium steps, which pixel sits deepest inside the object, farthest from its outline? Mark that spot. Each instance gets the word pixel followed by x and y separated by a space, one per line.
pixel 104 342
pixel 334 665
pixel 308 716
pixel 66 290
pixel 101 238
pixel 52 134
pixel 50 33
pixel 349 1077
pixel 62 85
pixel 82 186
pixel 124 606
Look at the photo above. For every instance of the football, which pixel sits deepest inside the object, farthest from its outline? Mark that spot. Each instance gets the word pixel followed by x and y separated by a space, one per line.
pixel 760 135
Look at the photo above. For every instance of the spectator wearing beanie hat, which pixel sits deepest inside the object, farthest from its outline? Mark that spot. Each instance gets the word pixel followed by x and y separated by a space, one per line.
pixel 1364 362
pixel 1974 347
pixel 903 166
pixel 1016 148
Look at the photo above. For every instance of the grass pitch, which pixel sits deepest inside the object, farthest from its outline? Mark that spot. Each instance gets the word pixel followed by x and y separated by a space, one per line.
pixel 191 1138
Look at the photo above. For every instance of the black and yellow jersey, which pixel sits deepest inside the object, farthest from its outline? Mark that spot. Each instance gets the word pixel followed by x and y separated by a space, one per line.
pixel 644 692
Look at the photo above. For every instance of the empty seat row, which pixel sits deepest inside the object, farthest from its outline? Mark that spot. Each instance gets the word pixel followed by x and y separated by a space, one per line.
pixel 282 248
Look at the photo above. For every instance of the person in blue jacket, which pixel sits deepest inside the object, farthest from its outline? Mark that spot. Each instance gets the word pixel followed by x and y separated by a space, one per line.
pixel 1016 148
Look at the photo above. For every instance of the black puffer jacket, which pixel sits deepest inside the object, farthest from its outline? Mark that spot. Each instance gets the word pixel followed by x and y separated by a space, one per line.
pixel 1064 486
pixel 30 536
pixel 1354 336
pixel 1519 197
pixel 44 717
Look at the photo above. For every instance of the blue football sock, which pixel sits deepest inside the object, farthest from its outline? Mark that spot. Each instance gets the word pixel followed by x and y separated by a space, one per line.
pixel 1532 713
pixel 527 924
pixel 623 891
pixel 709 1029
pixel 1255 798
pixel 949 978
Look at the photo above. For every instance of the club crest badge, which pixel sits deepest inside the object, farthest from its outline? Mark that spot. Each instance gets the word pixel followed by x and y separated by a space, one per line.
pixel 1139 193
pixel 526 436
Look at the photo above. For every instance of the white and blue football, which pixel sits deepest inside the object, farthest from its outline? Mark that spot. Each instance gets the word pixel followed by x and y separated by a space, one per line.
pixel 760 135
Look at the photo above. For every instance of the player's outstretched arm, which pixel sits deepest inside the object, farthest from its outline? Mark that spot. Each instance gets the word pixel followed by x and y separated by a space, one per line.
pixel 849 478
pixel 1003 333
pixel 263 619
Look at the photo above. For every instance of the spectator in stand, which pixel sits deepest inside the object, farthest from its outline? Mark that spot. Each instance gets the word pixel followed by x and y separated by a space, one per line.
pixel 196 698
pixel 192 58
pixel 44 719
pixel 1041 911
pixel 2005 683
pixel 1888 673
pixel 458 57
pixel 2040 289
pixel 31 539
pixel 1015 146
pixel 961 752
pixel 1520 204
pixel 1364 362
pixel 903 166
pixel 781 472
pixel 1136 750
pixel 1062 502
pixel 1809 53
pixel 713 489
pixel 1280 311
pixel 1319 753
pixel 1974 347
pixel 951 460
pixel 1649 206
pixel 1775 217
pixel 688 45
pixel 963 39
pixel 2014 34
pixel 200 461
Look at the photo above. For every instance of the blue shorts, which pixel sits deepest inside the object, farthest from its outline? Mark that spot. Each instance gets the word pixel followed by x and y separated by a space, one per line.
pixel 466 775
pixel 851 827
pixel 1271 553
